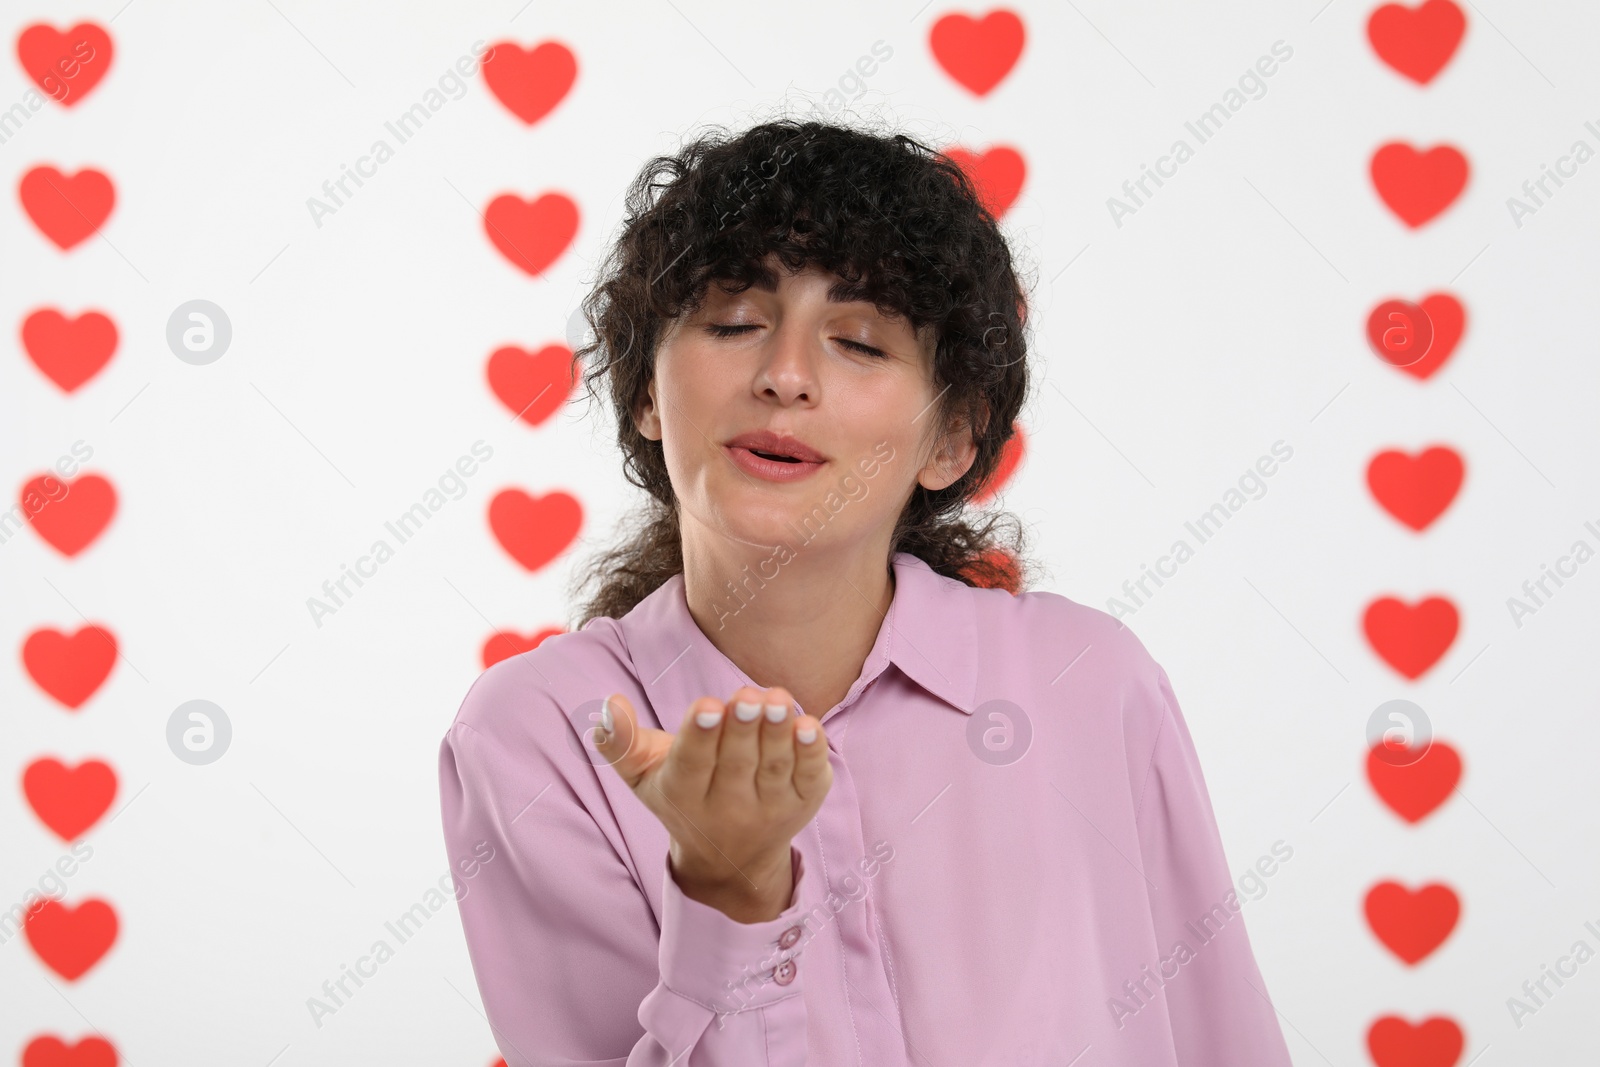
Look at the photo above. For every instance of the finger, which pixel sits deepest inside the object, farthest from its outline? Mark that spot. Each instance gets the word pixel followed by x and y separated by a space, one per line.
pixel 735 775
pixel 632 750
pixel 694 749
pixel 775 776
pixel 812 773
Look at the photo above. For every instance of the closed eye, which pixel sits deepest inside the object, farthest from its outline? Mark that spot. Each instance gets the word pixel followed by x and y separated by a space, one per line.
pixel 868 349
pixel 719 329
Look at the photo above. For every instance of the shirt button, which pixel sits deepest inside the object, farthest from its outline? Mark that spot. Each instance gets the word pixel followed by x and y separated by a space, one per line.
pixel 784 973
pixel 790 936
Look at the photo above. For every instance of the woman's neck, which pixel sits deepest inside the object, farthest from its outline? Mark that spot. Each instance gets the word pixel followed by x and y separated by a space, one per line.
pixel 802 619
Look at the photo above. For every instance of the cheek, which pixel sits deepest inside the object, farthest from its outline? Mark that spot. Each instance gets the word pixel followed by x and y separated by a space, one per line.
pixel 886 465
pixel 899 413
pixel 692 380
pixel 688 396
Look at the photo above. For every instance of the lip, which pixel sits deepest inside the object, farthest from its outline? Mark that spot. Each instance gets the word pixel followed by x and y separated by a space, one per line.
pixel 777 443
pixel 773 470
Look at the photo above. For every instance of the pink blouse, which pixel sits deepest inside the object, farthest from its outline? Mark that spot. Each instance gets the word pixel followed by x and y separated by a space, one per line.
pixel 1017 863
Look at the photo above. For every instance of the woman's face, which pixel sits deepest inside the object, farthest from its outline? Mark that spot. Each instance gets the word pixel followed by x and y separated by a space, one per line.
pixel 839 382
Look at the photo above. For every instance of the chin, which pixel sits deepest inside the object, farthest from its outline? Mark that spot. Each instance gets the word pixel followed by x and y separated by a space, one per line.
pixel 768 527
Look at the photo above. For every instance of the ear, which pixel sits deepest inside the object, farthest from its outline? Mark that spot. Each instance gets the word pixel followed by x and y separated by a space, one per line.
pixel 647 416
pixel 953 455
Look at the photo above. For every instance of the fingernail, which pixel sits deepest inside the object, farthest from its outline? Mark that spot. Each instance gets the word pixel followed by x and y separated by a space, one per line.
pixel 708 719
pixel 777 712
pixel 806 734
pixel 745 711
pixel 606 722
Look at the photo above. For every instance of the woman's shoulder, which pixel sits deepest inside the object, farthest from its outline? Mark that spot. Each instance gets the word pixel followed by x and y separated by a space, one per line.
pixel 1043 650
pixel 540 694
pixel 1048 623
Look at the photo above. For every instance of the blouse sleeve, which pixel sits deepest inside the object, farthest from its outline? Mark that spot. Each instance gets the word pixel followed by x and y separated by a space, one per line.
pixel 568 958
pixel 1217 1002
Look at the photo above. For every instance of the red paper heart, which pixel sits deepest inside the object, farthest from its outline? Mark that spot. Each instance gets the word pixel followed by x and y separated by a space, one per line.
pixel 1414 787
pixel 1443 319
pixel 506 644
pixel 532 384
pixel 1417 42
pixel 1416 489
pixel 1400 332
pixel 530 83
pixel 70 668
pixel 531 235
pixel 1010 458
pixel 71 940
pixel 69 351
pixel 1435 1042
pixel 68 515
pixel 51 1051
pixel 1412 924
pixel 1449 322
pixel 978 53
pixel 65 65
pixel 66 210
pixel 998 174
pixel 1411 638
pixel 1417 186
pixel 994 569
pixel 69 800
pixel 534 530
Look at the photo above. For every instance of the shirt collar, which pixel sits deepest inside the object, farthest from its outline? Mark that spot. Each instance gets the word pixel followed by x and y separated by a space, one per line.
pixel 929 632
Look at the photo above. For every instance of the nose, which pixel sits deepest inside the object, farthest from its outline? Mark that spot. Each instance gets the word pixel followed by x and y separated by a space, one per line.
pixel 787 372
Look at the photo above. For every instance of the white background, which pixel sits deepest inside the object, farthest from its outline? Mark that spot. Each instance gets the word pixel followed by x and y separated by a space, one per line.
pixel 1172 352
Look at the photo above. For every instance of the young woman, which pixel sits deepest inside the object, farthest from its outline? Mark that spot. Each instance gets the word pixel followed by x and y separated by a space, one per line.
pixel 816 781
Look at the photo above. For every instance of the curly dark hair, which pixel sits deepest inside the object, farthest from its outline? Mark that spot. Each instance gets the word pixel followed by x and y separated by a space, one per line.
pixel 899 222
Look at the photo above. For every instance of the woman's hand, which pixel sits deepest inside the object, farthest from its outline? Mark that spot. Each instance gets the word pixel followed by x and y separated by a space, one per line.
pixel 732 793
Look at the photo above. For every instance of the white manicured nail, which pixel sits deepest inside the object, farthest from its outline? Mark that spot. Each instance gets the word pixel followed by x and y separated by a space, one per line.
pixel 708 719
pixel 806 734
pixel 606 722
pixel 777 712
pixel 745 711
